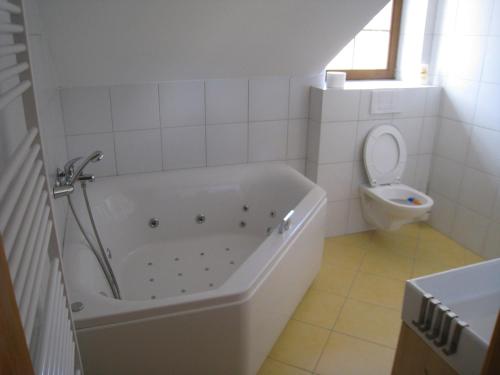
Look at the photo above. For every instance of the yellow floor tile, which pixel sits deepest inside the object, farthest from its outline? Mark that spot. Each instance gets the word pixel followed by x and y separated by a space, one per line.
pixel 378 290
pixel 370 322
pixel 356 239
pixel 332 279
pixel 394 242
pixel 427 233
pixel 387 263
pixel 342 255
pixel 300 345
pixel 344 355
pixel 410 230
pixel 448 253
pixel 423 267
pixel 319 308
pixel 272 367
pixel 471 257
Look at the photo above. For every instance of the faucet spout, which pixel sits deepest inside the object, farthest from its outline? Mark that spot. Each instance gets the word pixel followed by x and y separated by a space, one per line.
pixel 76 174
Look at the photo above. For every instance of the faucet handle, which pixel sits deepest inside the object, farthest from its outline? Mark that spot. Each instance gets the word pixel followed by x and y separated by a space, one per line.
pixel 69 167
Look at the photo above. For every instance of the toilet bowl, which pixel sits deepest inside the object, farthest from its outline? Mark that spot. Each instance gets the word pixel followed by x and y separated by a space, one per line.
pixel 386 202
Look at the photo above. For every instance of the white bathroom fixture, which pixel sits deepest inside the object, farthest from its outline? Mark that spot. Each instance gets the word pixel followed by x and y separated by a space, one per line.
pixel 455 312
pixel 386 202
pixel 201 257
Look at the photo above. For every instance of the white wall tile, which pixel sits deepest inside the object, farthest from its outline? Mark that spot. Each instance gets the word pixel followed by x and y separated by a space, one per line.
pixel 496 208
pixel 337 142
pixel 488 110
pixel 422 174
pixel 267 141
pixel 84 145
pixel 473 16
pixel 446 16
pixel 184 147
pixel 340 105
pixel 409 174
pixel 491 247
pixel 316 104
pixel 446 176
pixel 135 107
pixel 469 229
pixel 365 102
pixel 433 101
pixel 182 103
pixel 300 88
pixel 478 191
pixel 411 129
pixel 337 216
pixel 356 222
pixel 495 19
pixel 358 178
pixel 86 110
pixel 484 150
pixel 459 99
pixel 428 136
pixel 268 99
pixel 491 73
pixel 336 179
pixel 227 144
pixel 442 213
pixel 313 140
pixel 466 56
pixel 138 151
pixel 226 101
pixel 453 140
pixel 298 164
pixel 312 170
pixel 412 102
pixel 297 139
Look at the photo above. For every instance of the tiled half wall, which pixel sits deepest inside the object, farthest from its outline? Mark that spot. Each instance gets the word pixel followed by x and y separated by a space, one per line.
pixel 339 122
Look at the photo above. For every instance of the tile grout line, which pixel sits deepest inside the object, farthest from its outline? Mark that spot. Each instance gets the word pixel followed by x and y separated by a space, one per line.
pixel 340 312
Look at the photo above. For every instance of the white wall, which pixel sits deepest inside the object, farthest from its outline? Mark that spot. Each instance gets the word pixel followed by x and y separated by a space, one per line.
pixel 51 125
pixel 188 124
pixel 339 122
pixel 466 168
pixel 98 42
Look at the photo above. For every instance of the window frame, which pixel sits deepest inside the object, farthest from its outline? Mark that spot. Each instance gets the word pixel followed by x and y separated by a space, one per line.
pixel 390 72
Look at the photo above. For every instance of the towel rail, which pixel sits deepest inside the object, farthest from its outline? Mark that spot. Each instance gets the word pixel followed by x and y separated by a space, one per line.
pixel 8 7
pixel 13 93
pixel 30 240
pixel 12 49
pixel 10 28
pixel 13 71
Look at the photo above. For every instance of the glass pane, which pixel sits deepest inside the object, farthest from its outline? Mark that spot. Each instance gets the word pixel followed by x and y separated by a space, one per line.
pixel 371 50
pixel 344 59
pixel 382 21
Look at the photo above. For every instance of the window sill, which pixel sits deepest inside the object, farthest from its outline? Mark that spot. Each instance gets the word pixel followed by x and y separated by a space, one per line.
pixel 381 84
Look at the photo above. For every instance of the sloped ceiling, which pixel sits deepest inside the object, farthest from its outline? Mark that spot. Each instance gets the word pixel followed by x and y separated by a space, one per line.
pixel 97 42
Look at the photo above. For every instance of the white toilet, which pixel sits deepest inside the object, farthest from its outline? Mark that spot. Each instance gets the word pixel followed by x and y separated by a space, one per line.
pixel 386 203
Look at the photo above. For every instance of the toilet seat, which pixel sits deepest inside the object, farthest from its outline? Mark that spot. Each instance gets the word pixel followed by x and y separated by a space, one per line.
pixel 384 155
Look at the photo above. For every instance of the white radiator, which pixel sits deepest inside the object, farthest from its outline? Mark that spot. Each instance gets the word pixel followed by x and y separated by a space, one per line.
pixel 26 224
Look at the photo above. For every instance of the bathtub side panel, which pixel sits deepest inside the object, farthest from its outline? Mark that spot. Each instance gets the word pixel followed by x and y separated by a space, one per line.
pixel 198 343
pixel 275 300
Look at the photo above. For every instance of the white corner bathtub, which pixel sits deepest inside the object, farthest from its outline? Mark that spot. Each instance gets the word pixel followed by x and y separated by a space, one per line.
pixel 197 298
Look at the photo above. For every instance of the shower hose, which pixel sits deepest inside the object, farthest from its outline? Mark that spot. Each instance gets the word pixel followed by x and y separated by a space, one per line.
pixel 102 257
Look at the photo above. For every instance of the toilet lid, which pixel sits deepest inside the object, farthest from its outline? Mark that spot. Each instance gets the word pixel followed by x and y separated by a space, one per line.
pixel 384 155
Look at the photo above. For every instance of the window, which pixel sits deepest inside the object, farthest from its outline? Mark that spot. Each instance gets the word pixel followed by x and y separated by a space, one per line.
pixel 373 51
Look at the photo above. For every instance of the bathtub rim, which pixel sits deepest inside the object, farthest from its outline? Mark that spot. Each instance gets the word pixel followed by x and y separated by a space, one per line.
pixel 239 287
